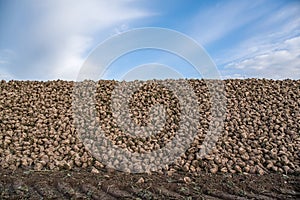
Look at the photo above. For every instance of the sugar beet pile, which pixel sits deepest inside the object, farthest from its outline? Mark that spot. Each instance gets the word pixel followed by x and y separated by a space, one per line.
pixel 261 128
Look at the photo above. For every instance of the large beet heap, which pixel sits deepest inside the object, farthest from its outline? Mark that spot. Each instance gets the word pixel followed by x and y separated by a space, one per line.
pixel 261 129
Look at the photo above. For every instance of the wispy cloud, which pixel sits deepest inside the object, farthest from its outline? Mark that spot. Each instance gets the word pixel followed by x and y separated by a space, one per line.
pixel 54 44
pixel 265 35
pixel 268 47
pixel 214 23
pixel 271 56
pixel 51 39
pixel 281 62
pixel 5 75
pixel 6 57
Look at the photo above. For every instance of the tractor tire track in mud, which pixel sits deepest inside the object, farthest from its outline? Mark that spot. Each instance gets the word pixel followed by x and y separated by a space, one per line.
pixel 82 184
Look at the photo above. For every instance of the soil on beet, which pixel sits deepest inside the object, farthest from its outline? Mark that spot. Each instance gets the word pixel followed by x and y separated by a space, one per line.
pixel 82 184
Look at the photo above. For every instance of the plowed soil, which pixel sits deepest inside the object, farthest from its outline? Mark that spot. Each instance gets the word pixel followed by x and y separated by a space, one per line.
pixel 82 184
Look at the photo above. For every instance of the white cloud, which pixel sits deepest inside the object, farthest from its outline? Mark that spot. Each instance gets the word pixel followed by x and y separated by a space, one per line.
pixel 55 44
pixel 84 16
pixel 70 60
pixel 212 24
pixel 4 75
pixel 122 28
pixel 270 48
pixel 259 44
pixel 233 76
pixel 6 55
pixel 151 71
pixel 280 62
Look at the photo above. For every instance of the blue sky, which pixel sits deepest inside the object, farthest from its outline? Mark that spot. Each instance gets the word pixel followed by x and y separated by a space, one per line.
pixel 51 39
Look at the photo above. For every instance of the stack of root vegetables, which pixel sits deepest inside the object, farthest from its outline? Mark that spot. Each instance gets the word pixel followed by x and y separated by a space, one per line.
pixel 261 132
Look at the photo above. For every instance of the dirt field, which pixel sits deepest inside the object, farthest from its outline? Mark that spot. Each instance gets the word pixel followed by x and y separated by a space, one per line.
pixel 82 184
pixel 255 157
